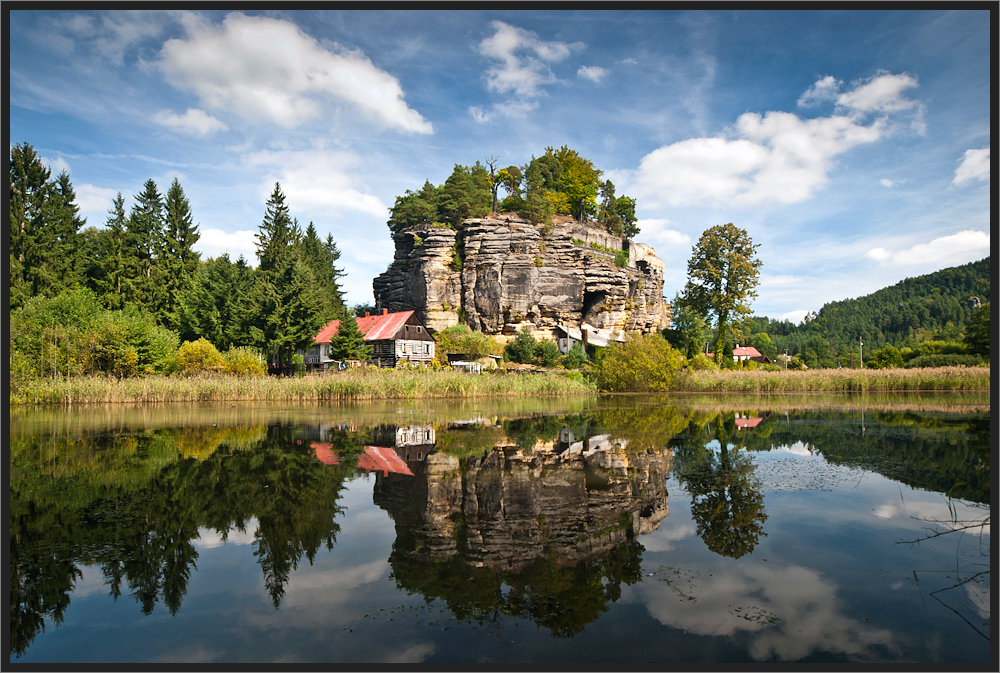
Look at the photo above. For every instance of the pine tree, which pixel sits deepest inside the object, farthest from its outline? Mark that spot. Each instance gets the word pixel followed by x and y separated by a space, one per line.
pixel 30 237
pixel 277 233
pixel 349 342
pixel 177 258
pixel 67 264
pixel 143 235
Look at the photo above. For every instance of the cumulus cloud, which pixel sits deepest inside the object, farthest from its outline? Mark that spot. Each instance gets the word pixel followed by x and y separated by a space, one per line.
pixel 954 248
pixel 775 157
pixel 522 60
pixel 661 231
pixel 592 72
pixel 825 89
pixel 975 166
pixel 215 242
pixel 193 122
pixel 95 202
pixel 317 180
pixel 267 69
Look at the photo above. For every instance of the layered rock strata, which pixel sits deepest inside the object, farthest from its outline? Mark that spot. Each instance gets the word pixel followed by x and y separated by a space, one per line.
pixel 503 273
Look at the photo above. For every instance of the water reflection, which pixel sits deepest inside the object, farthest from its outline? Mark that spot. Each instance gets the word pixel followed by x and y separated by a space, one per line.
pixel 537 516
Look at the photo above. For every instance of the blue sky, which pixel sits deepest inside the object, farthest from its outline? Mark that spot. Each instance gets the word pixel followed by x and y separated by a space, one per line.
pixel 853 146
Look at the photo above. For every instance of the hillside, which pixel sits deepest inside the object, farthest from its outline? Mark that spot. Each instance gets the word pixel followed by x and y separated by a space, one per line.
pixel 933 306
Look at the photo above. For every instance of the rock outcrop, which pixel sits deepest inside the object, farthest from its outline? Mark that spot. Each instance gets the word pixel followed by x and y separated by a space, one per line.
pixel 502 273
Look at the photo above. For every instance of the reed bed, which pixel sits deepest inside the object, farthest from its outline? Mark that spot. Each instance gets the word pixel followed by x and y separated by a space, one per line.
pixel 368 384
pixel 837 380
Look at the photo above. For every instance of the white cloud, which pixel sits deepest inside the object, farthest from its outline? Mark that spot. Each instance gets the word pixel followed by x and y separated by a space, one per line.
pixel 776 157
pixel 943 251
pixel 110 34
pixel 975 166
pixel 882 93
pixel 263 68
pixel 215 242
pixel 592 72
pixel 317 180
pixel 511 109
pixel 56 165
pixel 95 202
pixel 795 317
pixel 193 122
pixel 825 89
pixel 885 182
pixel 661 231
pixel 522 60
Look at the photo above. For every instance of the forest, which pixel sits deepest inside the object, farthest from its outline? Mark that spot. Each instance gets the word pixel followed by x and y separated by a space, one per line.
pixel 124 298
pixel 558 182
pixel 937 319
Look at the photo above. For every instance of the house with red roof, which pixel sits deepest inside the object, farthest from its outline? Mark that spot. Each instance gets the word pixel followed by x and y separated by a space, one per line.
pixel 392 336
pixel 743 353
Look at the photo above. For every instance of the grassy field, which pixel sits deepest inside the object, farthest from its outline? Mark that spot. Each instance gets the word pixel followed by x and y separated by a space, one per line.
pixel 368 384
pixel 836 380
pixel 382 384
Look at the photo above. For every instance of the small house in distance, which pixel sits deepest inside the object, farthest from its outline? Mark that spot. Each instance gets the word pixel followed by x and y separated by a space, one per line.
pixel 392 336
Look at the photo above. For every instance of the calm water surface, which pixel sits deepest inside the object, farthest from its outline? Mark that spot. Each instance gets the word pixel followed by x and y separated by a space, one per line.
pixel 602 531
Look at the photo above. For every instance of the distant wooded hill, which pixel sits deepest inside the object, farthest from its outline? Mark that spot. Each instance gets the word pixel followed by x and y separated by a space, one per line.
pixel 936 306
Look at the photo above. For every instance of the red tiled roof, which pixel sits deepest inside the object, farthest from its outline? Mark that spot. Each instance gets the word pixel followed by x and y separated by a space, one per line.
pixel 373 327
pixel 748 422
pixel 746 351
pixel 382 459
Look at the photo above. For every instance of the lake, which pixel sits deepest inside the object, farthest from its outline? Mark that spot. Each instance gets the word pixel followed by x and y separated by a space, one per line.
pixel 614 532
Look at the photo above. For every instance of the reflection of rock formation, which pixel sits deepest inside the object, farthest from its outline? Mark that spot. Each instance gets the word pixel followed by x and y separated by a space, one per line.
pixel 575 501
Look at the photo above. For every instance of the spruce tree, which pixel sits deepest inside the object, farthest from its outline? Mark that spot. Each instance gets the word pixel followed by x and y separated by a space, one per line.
pixel 143 234
pixel 178 259
pixel 30 237
pixel 349 343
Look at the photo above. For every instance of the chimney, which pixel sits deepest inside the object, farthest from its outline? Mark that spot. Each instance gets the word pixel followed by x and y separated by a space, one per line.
pixel 368 314
pixel 385 311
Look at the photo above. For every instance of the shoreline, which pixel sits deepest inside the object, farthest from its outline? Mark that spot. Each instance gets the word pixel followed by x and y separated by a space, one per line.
pixel 377 384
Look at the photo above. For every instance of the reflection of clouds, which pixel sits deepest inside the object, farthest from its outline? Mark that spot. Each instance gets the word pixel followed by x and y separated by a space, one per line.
pixel 414 654
pixel 665 537
pixel 792 611
pixel 210 539
pixel 90 582
pixel 798 449
pixel 330 585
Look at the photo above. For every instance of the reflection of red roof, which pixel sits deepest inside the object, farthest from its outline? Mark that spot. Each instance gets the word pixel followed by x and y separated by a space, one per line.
pixel 325 453
pixel 382 459
pixel 748 422
pixel 374 327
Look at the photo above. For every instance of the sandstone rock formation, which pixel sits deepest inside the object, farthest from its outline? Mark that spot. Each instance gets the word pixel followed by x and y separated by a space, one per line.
pixel 502 273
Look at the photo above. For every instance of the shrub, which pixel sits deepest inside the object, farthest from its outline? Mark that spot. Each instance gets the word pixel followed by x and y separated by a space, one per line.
pixel 883 358
pixel 522 348
pixel 245 361
pixel 546 353
pixel 644 363
pixel 701 362
pixel 944 360
pixel 199 356
pixel 576 358
pixel 461 339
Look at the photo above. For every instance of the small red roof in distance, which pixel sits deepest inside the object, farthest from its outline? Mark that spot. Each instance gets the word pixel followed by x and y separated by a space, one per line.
pixel 748 422
pixel 748 351
pixel 325 453
pixel 382 459
pixel 374 327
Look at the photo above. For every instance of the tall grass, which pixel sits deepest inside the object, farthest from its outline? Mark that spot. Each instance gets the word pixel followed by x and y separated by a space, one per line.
pixel 836 380
pixel 368 384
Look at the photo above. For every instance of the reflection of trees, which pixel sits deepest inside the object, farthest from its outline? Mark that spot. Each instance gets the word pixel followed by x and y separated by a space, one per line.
pixel 726 498
pixel 139 525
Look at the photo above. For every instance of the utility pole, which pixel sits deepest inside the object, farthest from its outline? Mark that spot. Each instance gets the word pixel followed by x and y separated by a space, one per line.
pixel 861 359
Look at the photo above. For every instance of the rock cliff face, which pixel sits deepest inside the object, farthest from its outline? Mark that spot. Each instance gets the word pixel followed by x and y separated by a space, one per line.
pixel 504 273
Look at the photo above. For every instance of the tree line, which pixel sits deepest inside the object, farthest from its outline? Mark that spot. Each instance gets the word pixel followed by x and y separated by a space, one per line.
pixel 558 182
pixel 937 319
pixel 120 299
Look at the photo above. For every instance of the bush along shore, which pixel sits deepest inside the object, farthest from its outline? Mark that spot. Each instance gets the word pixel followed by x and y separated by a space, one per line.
pixel 390 384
